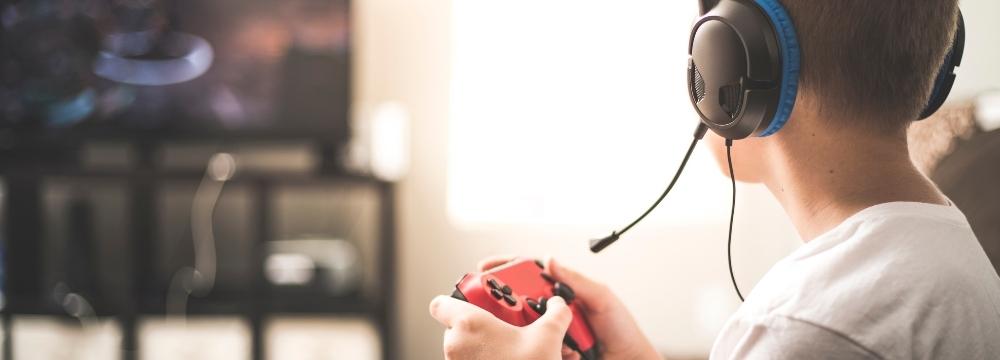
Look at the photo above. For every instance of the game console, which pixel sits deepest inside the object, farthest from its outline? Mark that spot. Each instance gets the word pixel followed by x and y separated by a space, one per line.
pixel 517 292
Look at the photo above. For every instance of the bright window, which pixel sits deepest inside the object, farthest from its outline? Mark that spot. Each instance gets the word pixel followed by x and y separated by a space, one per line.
pixel 574 112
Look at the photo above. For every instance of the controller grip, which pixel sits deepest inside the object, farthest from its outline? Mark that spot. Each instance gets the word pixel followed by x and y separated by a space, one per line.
pixel 579 338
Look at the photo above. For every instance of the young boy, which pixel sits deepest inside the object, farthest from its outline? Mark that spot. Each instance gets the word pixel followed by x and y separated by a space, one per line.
pixel 889 269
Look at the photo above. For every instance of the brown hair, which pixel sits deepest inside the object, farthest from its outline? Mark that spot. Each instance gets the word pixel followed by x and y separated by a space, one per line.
pixel 872 60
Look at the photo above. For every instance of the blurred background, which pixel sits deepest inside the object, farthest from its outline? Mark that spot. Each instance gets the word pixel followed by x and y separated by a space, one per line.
pixel 296 179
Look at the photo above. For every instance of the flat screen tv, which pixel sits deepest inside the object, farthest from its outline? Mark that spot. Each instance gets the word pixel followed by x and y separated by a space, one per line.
pixel 180 68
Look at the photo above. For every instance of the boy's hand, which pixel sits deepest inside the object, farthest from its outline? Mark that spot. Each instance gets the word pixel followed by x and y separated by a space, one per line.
pixel 617 333
pixel 474 333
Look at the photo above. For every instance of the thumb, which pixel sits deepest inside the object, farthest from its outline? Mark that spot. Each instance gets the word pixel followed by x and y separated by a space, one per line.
pixel 571 277
pixel 556 318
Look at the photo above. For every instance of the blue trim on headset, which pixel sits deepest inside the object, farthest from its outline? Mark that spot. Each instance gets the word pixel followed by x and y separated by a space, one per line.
pixel 788 47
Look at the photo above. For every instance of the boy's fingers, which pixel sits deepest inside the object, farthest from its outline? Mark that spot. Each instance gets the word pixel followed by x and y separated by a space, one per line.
pixel 572 356
pixel 566 351
pixel 452 312
pixel 556 318
pixel 588 291
pixel 493 261
pixel 569 354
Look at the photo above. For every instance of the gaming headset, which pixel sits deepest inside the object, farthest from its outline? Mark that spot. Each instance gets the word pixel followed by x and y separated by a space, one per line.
pixel 743 75
pixel 743 79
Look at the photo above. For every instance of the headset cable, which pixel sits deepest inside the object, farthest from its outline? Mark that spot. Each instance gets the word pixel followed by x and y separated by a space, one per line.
pixel 732 215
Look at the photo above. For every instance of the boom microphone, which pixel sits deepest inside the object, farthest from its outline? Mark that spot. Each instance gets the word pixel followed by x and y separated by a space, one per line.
pixel 596 245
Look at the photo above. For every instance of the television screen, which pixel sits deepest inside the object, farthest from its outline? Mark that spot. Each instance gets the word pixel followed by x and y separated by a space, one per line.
pixel 175 66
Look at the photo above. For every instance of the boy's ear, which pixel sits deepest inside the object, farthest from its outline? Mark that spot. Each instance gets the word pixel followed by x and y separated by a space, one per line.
pixel 749 158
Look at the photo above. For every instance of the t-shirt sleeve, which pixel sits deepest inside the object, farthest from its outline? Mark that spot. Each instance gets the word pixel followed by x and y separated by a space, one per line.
pixel 781 337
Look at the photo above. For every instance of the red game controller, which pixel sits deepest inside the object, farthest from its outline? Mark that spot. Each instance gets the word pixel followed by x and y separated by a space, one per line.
pixel 516 292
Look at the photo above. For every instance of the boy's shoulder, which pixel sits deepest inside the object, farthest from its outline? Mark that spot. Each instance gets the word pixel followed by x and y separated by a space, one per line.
pixel 891 278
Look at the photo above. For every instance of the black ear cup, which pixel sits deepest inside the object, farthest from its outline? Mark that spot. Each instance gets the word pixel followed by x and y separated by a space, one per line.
pixel 743 73
pixel 945 79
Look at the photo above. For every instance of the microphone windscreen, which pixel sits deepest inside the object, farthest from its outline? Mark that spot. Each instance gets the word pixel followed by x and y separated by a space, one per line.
pixel 596 245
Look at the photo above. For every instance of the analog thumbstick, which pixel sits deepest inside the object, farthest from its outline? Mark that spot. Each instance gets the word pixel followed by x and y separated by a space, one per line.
pixel 564 291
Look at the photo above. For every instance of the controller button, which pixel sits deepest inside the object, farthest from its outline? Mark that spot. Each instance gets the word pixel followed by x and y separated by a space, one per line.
pixel 540 264
pixel 548 278
pixel 493 284
pixel 506 290
pixel 510 300
pixel 458 295
pixel 536 306
pixel 496 293
pixel 564 291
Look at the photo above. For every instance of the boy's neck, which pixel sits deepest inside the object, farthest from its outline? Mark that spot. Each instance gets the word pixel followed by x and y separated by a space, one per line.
pixel 822 179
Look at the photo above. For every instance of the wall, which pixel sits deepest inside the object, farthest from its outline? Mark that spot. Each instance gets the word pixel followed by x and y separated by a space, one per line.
pixel 979 70
pixel 673 276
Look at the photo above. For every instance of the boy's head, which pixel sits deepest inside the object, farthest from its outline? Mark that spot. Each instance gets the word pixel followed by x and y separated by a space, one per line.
pixel 866 66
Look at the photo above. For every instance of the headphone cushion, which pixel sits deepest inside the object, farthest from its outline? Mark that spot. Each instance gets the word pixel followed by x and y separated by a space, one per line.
pixel 788 45
pixel 945 78
pixel 942 85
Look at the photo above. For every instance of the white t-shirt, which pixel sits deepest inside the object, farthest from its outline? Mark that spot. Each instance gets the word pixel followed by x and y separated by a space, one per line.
pixel 894 281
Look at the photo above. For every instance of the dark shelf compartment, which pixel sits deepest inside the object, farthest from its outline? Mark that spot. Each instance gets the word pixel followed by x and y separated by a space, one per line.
pixel 145 299
pixel 216 305
pixel 239 177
